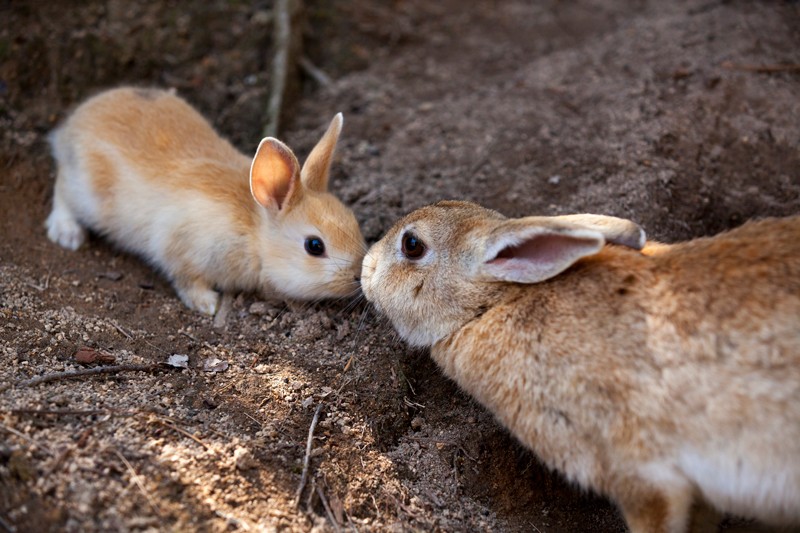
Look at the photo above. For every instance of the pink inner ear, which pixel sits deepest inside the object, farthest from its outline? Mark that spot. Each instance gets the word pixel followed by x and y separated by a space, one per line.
pixel 274 174
pixel 539 249
pixel 541 256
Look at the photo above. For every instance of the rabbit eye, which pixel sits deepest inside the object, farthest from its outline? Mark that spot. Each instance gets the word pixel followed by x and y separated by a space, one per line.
pixel 413 248
pixel 315 246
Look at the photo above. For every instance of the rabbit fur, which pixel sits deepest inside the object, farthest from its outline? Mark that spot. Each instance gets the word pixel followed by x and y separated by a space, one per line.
pixel 658 378
pixel 144 169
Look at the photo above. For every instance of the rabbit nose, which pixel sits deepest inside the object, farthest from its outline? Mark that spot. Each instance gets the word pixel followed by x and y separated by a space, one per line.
pixel 357 279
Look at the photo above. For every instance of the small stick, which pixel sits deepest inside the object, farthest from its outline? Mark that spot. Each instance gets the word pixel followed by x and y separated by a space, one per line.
pixel 444 441
pixel 182 432
pixel 254 419
pixel 762 69
pixel 307 458
pixel 6 526
pixel 435 499
pixel 189 336
pixel 71 412
pixel 121 330
pixel 328 511
pixel 344 384
pixel 69 451
pixel 24 437
pixel 349 363
pixel 79 373
pixel 286 48
pixel 139 483
pixel 317 74
pixel 311 494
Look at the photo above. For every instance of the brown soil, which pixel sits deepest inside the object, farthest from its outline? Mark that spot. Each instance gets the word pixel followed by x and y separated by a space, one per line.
pixel 625 108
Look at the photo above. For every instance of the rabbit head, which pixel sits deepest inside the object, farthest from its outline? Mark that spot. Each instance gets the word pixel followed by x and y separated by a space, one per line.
pixel 315 245
pixel 443 264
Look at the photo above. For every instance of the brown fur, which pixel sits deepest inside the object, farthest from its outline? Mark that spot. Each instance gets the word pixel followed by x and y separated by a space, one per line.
pixel 617 368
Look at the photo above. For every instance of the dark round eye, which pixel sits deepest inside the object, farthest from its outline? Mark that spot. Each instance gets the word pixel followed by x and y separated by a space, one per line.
pixel 315 246
pixel 413 248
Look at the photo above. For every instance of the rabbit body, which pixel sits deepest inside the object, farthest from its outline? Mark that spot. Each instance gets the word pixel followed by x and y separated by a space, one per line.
pixel 654 377
pixel 144 169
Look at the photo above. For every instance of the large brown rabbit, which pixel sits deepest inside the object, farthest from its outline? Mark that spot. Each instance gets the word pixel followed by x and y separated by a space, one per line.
pixel 658 378
pixel 144 169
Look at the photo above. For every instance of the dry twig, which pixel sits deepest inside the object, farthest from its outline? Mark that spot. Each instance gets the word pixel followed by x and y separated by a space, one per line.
pixel 314 72
pixel 138 481
pixel 80 373
pixel 69 451
pixel 24 437
pixel 122 330
pixel 444 441
pixel 182 432
pixel 69 412
pixel 287 49
pixel 763 69
pixel 307 458
pixel 6 526
pixel 328 511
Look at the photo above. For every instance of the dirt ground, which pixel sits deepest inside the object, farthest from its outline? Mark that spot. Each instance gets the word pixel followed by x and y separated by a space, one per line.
pixel 643 109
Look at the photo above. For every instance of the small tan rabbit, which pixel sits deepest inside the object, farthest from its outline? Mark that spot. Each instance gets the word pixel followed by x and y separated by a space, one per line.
pixel 657 378
pixel 143 168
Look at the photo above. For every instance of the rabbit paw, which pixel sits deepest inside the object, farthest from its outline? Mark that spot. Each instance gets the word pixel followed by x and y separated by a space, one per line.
pixel 199 297
pixel 64 230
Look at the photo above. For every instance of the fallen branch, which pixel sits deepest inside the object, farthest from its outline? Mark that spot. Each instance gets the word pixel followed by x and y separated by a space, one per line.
pixel 287 50
pixel 307 458
pixel 80 373
pixel 763 69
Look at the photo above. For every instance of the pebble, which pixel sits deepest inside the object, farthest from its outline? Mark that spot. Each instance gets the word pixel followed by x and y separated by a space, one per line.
pixel 243 459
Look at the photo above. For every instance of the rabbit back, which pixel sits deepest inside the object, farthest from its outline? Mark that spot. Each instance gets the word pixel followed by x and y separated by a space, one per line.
pixel 679 368
pixel 143 168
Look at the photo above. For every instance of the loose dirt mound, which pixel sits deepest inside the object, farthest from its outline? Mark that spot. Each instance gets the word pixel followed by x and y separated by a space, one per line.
pixel 633 109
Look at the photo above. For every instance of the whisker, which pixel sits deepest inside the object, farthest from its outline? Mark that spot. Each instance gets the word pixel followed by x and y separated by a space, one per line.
pixel 360 327
pixel 357 299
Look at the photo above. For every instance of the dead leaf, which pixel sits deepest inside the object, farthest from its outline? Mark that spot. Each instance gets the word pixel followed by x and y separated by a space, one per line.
pixel 214 364
pixel 178 360
pixel 87 356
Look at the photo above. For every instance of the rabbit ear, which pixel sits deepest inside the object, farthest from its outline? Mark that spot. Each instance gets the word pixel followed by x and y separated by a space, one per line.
pixel 533 249
pixel 318 165
pixel 274 175
pixel 615 230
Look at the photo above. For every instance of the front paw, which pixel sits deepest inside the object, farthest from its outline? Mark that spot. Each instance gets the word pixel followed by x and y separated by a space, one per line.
pixel 200 298
pixel 65 231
